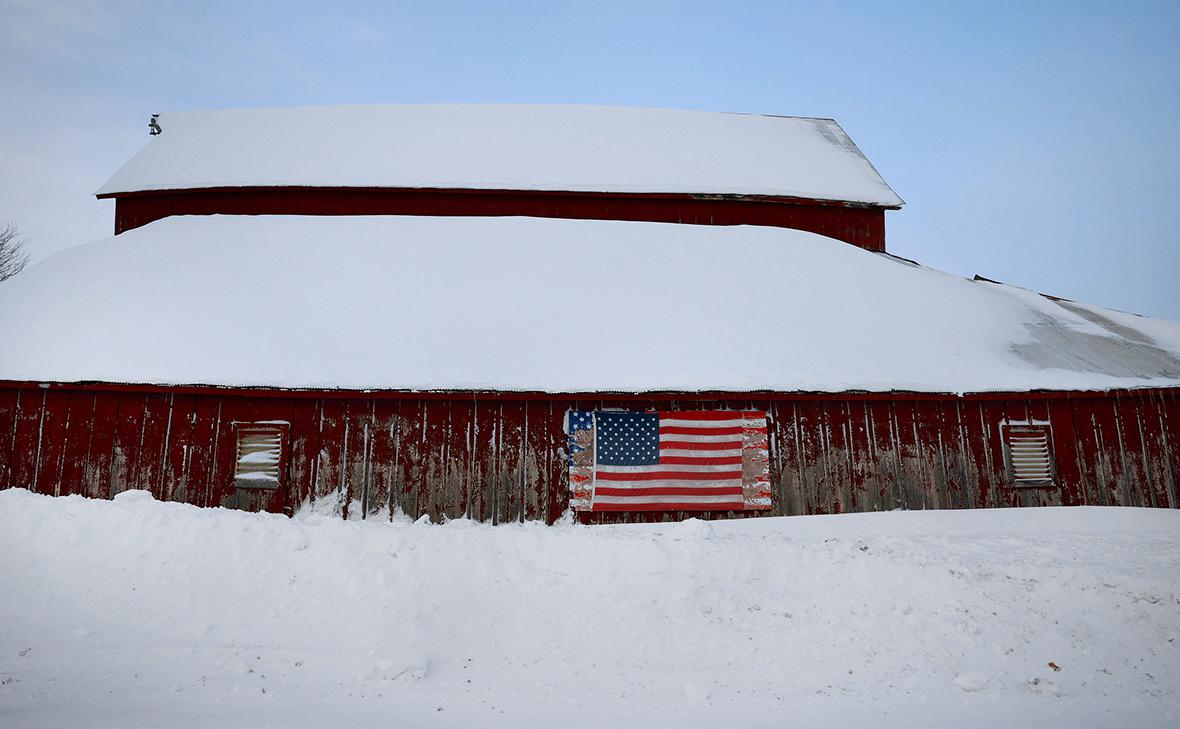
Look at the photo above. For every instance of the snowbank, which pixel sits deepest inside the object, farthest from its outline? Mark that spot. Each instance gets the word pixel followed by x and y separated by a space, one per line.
pixel 134 613
pixel 419 303
pixel 506 147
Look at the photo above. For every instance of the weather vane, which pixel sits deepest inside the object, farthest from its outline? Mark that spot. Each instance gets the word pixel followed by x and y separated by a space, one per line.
pixel 154 125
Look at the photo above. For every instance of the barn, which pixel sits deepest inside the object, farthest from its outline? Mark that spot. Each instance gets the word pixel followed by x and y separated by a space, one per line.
pixel 509 313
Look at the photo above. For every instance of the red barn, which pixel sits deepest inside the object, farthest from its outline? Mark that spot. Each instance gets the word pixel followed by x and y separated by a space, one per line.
pixel 444 310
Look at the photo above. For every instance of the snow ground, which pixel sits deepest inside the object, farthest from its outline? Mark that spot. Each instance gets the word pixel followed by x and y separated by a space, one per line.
pixel 134 613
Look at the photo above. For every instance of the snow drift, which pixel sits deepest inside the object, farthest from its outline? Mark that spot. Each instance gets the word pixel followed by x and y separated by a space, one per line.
pixel 134 613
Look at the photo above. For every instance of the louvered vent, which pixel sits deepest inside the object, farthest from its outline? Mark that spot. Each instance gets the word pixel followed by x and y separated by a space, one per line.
pixel 1030 453
pixel 260 456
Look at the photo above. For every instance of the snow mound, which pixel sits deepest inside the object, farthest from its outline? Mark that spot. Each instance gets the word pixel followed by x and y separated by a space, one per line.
pixel 526 304
pixel 135 613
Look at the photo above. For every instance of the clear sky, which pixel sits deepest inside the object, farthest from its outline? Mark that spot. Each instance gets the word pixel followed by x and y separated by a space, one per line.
pixel 1035 143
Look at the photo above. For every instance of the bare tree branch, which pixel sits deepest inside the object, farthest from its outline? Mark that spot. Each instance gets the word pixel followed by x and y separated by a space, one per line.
pixel 13 257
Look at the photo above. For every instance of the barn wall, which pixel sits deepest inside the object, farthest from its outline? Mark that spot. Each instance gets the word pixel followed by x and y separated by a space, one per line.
pixel 861 226
pixel 501 460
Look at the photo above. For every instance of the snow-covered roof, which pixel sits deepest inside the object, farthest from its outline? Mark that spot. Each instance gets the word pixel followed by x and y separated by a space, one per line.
pixel 527 304
pixel 506 147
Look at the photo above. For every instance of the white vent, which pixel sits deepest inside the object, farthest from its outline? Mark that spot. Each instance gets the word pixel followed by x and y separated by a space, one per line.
pixel 1029 452
pixel 260 455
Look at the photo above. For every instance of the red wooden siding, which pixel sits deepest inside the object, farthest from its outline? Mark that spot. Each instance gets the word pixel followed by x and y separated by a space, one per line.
pixel 859 225
pixel 500 458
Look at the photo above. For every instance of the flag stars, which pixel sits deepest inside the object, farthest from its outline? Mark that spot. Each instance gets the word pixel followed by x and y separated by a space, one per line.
pixel 627 438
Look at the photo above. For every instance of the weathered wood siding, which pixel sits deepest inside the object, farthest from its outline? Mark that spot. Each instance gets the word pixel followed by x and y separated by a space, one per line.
pixel 501 460
pixel 859 225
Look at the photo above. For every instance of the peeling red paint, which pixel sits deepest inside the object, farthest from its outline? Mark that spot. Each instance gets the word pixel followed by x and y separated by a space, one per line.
pixel 501 459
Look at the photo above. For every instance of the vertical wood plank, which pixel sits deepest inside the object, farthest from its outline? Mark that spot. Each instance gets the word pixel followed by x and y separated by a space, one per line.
pixel 1110 441
pixel 483 438
pixel 126 455
pixel 1005 411
pixel 52 441
pixel 100 452
pixel 779 478
pixel 433 472
pixel 330 459
pixel 558 491
pixel 862 458
pixel 837 452
pixel 1089 431
pixel 510 484
pixel 1085 442
pixel 475 488
pixel 537 452
pixel 224 452
pixel 912 470
pixel 1168 408
pixel 79 431
pixel 1131 447
pixel 1071 479
pixel 1154 450
pixel 814 469
pixel 356 471
pixel 305 447
pixel 971 427
pixel 25 438
pixel 201 455
pixel 383 466
pixel 882 423
pixel 8 408
pixel 460 432
pixel 931 440
pixel 152 447
pixel 958 458
pixel 178 433
pixel 411 456
pixel 999 490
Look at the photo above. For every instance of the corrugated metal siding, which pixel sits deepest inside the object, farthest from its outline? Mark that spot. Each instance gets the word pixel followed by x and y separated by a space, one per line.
pixel 502 460
pixel 859 225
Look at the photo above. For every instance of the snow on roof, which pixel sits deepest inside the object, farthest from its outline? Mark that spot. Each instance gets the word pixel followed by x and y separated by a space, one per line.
pixel 528 304
pixel 508 147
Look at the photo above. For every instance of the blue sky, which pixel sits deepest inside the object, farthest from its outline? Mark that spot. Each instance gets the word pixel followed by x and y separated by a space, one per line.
pixel 1035 143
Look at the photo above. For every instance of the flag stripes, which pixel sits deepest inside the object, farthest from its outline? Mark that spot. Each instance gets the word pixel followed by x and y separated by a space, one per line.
pixel 667 475
pixel 699 466
pixel 714 460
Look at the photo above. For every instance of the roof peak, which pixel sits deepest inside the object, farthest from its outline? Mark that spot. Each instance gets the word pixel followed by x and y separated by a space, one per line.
pixel 490 105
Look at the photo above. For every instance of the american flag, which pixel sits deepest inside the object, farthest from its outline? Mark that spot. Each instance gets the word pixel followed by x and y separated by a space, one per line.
pixel 704 460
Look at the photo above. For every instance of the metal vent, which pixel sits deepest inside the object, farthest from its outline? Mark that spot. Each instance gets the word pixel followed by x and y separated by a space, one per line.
pixel 260 456
pixel 1028 448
